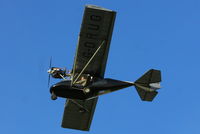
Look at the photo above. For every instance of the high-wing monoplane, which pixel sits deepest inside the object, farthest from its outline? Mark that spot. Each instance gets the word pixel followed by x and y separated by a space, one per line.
pixel 85 82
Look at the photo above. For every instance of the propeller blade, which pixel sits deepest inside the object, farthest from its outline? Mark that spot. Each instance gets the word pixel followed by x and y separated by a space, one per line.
pixel 50 64
pixel 49 80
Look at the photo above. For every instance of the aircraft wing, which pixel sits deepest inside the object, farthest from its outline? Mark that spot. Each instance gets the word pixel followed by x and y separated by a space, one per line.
pixel 91 57
pixel 75 118
pixel 94 42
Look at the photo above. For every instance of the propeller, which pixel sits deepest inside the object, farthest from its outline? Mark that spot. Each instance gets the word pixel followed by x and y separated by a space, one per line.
pixel 49 77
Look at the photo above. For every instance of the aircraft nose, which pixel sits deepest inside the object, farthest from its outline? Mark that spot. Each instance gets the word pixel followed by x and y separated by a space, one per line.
pixel 52 88
pixel 49 71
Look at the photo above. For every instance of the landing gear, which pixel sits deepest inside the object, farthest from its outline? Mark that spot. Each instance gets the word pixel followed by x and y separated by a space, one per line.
pixel 53 96
pixel 86 90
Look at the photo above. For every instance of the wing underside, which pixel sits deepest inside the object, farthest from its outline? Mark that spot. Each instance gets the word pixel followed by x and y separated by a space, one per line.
pixel 91 57
pixel 78 114
pixel 94 41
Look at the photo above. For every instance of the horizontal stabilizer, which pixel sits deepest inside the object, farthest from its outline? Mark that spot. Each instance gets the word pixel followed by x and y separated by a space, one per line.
pixel 146 95
pixel 152 76
pixel 147 85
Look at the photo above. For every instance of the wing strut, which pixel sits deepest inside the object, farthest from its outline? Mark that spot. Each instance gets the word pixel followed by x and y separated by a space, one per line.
pixel 89 62
pixel 79 105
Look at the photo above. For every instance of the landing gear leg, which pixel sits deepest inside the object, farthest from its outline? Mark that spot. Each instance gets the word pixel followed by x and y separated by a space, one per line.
pixel 53 96
pixel 62 77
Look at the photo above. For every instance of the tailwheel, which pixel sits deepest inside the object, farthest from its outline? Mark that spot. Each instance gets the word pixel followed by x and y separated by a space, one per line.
pixel 53 96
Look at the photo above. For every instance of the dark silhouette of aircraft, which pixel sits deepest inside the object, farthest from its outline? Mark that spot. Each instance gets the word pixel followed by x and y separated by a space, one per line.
pixel 86 81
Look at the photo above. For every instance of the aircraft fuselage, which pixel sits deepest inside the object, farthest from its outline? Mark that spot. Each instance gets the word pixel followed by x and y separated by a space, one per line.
pixel 64 88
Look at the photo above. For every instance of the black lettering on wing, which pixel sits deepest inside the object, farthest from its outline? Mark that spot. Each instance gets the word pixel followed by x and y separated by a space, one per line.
pixel 91 36
pixel 95 18
pixel 87 55
pixel 89 44
pixel 93 27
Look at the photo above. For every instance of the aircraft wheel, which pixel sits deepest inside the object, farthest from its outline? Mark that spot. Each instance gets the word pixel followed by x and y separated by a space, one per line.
pixel 86 90
pixel 53 96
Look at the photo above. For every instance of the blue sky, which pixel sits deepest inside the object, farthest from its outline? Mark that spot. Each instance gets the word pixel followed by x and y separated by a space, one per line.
pixel 148 34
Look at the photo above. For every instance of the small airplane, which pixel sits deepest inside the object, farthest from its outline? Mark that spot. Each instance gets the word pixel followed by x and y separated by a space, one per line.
pixel 85 82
